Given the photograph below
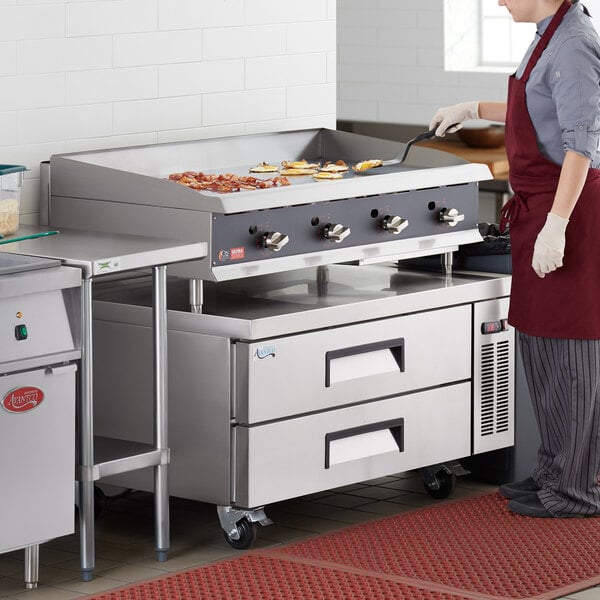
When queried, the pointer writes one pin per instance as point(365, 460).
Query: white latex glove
point(549, 246)
point(453, 115)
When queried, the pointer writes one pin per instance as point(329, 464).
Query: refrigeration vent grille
point(495, 392)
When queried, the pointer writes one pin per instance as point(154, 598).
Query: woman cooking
point(552, 118)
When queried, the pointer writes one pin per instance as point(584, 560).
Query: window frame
point(482, 19)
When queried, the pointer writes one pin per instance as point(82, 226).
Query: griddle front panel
point(237, 238)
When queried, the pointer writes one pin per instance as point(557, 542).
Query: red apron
point(566, 302)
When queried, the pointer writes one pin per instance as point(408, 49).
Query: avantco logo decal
point(265, 351)
point(22, 399)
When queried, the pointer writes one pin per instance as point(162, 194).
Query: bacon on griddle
point(226, 182)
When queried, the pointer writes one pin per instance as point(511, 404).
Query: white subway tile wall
point(86, 74)
point(391, 62)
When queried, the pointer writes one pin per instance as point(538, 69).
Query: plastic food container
point(11, 182)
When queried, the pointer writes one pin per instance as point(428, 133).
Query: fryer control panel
point(307, 228)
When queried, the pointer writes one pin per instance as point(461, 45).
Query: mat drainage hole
point(374, 213)
point(315, 221)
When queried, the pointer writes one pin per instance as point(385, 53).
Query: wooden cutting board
point(494, 158)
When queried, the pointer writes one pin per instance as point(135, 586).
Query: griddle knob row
point(394, 224)
point(274, 240)
point(335, 232)
point(450, 216)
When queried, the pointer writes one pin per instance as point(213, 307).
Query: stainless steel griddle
point(300, 366)
point(433, 196)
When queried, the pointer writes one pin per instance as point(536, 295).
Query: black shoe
point(518, 488)
point(529, 505)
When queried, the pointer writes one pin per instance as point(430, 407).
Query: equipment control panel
point(301, 229)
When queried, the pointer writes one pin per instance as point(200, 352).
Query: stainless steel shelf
point(113, 456)
point(98, 254)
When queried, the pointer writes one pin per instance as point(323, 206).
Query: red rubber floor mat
point(259, 577)
point(471, 549)
point(475, 546)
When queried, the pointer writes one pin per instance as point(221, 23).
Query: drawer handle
point(396, 347)
point(376, 444)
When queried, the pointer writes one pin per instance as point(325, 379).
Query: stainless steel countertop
point(299, 300)
point(101, 253)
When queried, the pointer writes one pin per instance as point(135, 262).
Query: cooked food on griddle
point(299, 164)
point(335, 167)
point(294, 172)
point(328, 175)
point(225, 182)
point(264, 167)
point(367, 164)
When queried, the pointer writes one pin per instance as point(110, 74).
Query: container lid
point(17, 263)
point(6, 169)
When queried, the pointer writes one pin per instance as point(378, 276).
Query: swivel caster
point(247, 533)
point(442, 486)
point(240, 525)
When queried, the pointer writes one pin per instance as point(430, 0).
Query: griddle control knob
point(394, 224)
point(335, 232)
point(274, 240)
point(450, 216)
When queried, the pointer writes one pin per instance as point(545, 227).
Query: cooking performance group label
point(22, 399)
point(238, 253)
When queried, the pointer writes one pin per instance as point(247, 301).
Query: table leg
point(161, 490)
point(86, 437)
point(32, 566)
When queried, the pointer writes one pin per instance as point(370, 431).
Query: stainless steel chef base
point(297, 372)
point(308, 380)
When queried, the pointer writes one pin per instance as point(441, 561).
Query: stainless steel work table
point(99, 254)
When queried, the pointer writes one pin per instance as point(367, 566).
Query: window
point(479, 35)
point(502, 41)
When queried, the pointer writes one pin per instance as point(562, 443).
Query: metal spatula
point(371, 164)
point(402, 157)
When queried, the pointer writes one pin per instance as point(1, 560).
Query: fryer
point(39, 320)
point(305, 351)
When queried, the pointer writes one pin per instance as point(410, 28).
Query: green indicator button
point(21, 332)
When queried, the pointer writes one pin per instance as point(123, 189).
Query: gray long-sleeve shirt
point(563, 91)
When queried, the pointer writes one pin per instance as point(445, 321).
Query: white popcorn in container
point(11, 182)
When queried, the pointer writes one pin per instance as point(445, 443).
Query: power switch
point(494, 326)
point(21, 332)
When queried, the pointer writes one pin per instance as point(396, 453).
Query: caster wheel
point(247, 531)
point(447, 483)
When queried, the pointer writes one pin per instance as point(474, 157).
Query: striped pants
point(564, 383)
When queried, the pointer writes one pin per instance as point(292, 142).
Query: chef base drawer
point(354, 363)
point(299, 456)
